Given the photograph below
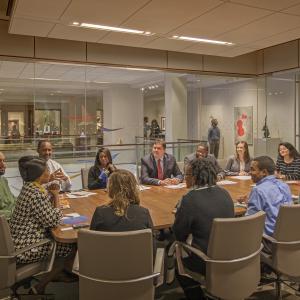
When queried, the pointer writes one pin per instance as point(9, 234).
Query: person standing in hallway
point(214, 138)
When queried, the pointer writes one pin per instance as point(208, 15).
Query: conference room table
point(160, 201)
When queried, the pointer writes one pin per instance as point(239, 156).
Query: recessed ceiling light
point(200, 40)
point(112, 28)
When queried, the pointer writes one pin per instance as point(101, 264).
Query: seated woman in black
point(124, 212)
point(288, 162)
point(103, 167)
point(195, 214)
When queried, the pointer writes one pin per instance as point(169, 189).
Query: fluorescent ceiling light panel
point(111, 28)
point(199, 40)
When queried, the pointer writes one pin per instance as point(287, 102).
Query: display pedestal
point(266, 146)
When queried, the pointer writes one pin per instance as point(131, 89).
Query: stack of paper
point(80, 194)
point(225, 182)
point(175, 187)
point(245, 177)
point(143, 187)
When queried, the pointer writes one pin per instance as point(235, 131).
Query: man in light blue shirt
point(269, 193)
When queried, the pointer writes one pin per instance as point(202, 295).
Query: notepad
point(226, 182)
point(81, 194)
point(175, 186)
point(246, 177)
point(74, 220)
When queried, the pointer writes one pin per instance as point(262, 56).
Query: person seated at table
point(7, 199)
point(103, 167)
point(57, 172)
point(268, 194)
point(202, 152)
point(35, 214)
point(239, 164)
point(123, 212)
point(160, 168)
point(288, 162)
point(195, 214)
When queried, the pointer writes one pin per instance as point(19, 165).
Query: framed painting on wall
point(243, 124)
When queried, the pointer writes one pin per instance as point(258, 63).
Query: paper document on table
point(225, 182)
point(175, 186)
point(244, 177)
point(81, 194)
point(143, 187)
point(242, 205)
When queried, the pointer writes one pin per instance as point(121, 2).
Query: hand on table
point(242, 199)
point(243, 173)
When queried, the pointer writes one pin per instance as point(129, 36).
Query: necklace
point(40, 187)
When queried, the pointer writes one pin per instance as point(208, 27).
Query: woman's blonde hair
point(123, 191)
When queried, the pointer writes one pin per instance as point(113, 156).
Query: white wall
point(219, 102)
point(122, 107)
point(176, 108)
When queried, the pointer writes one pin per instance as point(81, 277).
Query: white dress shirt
point(54, 166)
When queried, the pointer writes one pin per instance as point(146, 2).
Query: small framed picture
point(163, 123)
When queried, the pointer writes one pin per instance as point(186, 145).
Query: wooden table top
point(159, 200)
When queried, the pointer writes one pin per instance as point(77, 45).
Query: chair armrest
point(269, 238)
point(159, 266)
point(274, 241)
point(40, 243)
point(196, 251)
point(203, 256)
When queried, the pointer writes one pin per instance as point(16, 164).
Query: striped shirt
point(290, 170)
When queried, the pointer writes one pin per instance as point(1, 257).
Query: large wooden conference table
point(159, 200)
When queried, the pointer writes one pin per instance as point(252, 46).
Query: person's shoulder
point(190, 156)
point(103, 209)
point(137, 207)
point(231, 157)
point(169, 156)
point(147, 157)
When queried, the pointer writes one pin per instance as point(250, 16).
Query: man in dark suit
point(202, 152)
point(160, 168)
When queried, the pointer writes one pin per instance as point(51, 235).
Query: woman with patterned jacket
point(35, 214)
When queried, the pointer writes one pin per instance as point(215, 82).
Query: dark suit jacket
point(188, 159)
point(149, 169)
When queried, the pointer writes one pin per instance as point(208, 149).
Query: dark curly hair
point(204, 172)
point(293, 152)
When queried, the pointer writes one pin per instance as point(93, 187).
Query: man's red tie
point(160, 174)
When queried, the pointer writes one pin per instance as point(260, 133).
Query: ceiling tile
point(277, 39)
point(201, 48)
point(264, 28)
point(163, 16)
point(50, 10)
point(295, 10)
point(105, 12)
point(125, 39)
point(236, 51)
point(274, 5)
point(220, 20)
point(29, 27)
point(61, 31)
point(168, 44)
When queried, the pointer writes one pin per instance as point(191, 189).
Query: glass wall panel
point(280, 112)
